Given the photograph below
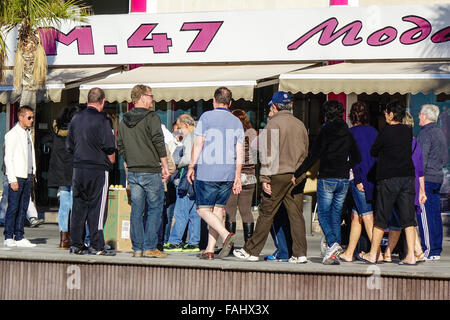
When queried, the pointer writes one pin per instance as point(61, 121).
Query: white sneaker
point(433, 258)
point(9, 243)
point(334, 251)
point(24, 243)
point(242, 254)
point(301, 259)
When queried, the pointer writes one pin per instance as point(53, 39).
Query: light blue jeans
point(331, 193)
point(145, 187)
point(185, 212)
point(65, 207)
point(4, 201)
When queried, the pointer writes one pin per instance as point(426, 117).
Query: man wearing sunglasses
point(20, 167)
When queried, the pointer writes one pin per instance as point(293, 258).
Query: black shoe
point(77, 250)
point(191, 248)
point(104, 252)
point(174, 247)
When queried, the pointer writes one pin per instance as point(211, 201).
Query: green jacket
point(141, 140)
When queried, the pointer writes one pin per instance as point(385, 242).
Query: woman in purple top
point(362, 184)
point(420, 198)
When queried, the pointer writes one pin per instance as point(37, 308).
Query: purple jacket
point(418, 167)
point(364, 172)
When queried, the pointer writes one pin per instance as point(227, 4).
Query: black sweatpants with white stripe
point(90, 196)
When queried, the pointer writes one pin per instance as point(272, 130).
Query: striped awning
point(194, 82)
point(370, 77)
point(57, 80)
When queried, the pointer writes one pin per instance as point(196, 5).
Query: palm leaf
point(28, 16)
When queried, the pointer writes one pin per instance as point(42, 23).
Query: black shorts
point(398, 192)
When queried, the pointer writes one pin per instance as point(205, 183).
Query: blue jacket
point(364, 172)
point(434, 152)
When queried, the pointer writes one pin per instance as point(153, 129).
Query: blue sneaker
point(274, 258)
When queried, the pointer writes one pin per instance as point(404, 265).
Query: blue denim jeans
point(362, 206)
point(209, 194)
point(4, 201)
point(185, 212)
point(169, 211)
point(331, 193)
point(65, 206)
point(17, 209)
point(145, 187)
point(281, 234)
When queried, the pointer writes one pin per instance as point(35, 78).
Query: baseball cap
point(280, 97)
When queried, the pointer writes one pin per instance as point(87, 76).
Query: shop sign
point(375, 32)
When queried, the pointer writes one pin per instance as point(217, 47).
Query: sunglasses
point(30, 117)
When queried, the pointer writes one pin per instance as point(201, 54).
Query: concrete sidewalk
point(47, 239)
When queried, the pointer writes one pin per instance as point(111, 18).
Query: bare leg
point(214, 219)
point(355, 233)
point(377, 236)
point(394, 235)
point(418, 247)
point(368, 224)
point(410, 234)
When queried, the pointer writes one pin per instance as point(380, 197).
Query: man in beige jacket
point(283, 147)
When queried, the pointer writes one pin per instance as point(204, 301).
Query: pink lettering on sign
point(82, 35)
point(110, 49)
point(207, 32)
point(329, 34)
point(378, 38)
point(382, 37)
point(441, 36)
point(418, 33)
point(159, 41)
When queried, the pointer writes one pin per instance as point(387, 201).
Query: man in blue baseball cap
point(282, 98)
point(284, 135)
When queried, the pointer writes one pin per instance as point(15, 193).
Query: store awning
point(371, 77)
point(189, 82)
point(57, 80)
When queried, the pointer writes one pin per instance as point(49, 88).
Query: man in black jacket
point(91, 141)
point(337, 151)
point(141, 144)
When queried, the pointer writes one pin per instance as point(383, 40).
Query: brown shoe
point(226, 247)
point(138, 254)
point(154, 254)
point(64, 241)
point(207, 255)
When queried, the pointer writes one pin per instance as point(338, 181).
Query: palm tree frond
point(3, 49)
point(18, 70)
point(40, 66)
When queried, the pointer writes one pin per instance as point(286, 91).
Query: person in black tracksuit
point(91, 141)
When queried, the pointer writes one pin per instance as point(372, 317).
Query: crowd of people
point(187, 186)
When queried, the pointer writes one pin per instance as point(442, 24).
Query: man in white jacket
point(20, 167)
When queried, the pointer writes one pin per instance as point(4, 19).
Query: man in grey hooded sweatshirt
point(141, 143)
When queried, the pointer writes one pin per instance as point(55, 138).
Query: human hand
point(14, 186)
point(293, 180)
point(422, 197)
point(165, 174)
point(267, 188)
point(237, 185)
point(360, 187)
point(190, 175)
